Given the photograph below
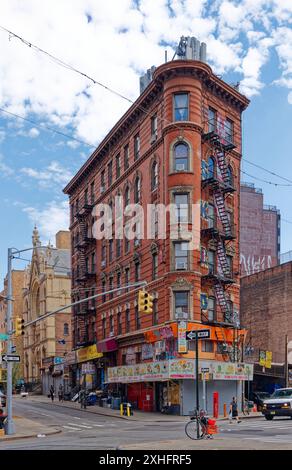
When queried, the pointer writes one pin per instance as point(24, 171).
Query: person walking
point(52, 393)
point(83, 398)
point(233, 413)
point(61, 393)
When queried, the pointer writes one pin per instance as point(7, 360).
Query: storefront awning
point(107, 345)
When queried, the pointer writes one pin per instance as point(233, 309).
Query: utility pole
point(10, 424)
point(286, 363)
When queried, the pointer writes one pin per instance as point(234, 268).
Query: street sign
point(3, 337)
point(10, 358)
point(205, 370)
point(13, 349)
point(200, 334)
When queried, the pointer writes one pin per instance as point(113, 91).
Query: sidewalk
point(138, 415)
point(26, 428)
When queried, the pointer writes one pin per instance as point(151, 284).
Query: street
point(84, 430)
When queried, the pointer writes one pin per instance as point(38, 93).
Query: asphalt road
point(83, 430)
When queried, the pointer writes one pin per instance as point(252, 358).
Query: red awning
point(107, 346)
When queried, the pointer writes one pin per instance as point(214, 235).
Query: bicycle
point(200, 426)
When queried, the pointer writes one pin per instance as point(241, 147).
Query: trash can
point(116, 403)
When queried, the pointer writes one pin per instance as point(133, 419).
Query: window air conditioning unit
point(153, 138)
point(136, 242)
point(103, 264)
point(180, 315)
point(111, 334)
point(180, 166)
point(181, 265)
point(102, 189)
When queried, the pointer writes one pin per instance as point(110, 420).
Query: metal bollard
point(225, 410)
point(121, 409)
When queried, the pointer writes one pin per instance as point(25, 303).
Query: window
point(155, 312)
point(120, 324)
point(93, 263)
point(211, 167)
point(77, 206)
point(118, 247)
point(72, 211)
point(102, 181)
point(154, 266)
point(93, 333)
point(111, 294)
point(86, 196)
point(86, 265)
point(110, 250)
point(127, 196)
point(212, 120)
point(93, 300)
point(118, 166)
point(211, 309)
point(211, 216)
point(228, 317)
point(136, 147)
point(229, 130)
point(103, 256)
point(126, 157)
point(181, 157)
point(137, 190)
point(127, 278)
point(229, 176)
point(110, 173)
point(127, 318)
point(66, 329)
point(127, 243)
point(229, 260)
point(182, 208)
point(104, 328)
point(103, 287)
point(181, 107)
point(181, 255)
point(92, 192)
point(211, 261)
point(119, 282)
point(207, 346)
point(154, 176)
point(181, 303)
point(137, 318)
point(111, 324)
point(137, 271)
point(154, 126)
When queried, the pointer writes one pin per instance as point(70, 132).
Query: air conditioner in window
point(136, 242)
point(180, 166)
point(153, 138)
point(179, 315)
point(103, 264)
point(102, 189)
point(111, 334)
point(181, 265)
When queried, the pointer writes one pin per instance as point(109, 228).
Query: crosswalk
point(281, 424)
point(79, 427)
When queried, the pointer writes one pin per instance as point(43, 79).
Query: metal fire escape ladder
point(222, 259)
point(222, 214)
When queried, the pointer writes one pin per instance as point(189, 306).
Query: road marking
point(98, 425)
point(80, 425)
point(75, 417)
point(70, 427)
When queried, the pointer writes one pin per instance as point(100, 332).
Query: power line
point(268, 171)
point(45, 127)
point(265, 181)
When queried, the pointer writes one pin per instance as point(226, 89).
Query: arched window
point(137, 191)
point(127, 196)
point(66, 329)
point(211, 167)
point(181, 157)
point(154, 176)
point(229, 176)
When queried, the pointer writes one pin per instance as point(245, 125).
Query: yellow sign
point(88, 353)
point(269, 355)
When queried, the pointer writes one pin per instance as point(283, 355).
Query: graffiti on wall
point(252, 264)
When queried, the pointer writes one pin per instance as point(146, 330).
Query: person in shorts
point(233, 413)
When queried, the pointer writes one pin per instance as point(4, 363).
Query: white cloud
point(53, 174)
point(49, 220)
point(2, 136)
point(33, 132)
point(5, 170)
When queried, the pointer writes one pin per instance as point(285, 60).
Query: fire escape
point(84, 313)
point(220, 232)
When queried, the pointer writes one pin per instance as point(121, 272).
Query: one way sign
point(10, 358)
point(199, 334)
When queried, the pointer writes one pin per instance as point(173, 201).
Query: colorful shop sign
point(88, 353)
point(231, 371)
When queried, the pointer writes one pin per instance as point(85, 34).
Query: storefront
point(88, 371)
point(152, 386)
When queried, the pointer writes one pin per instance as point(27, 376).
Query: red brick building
point(266, 312)
point(259, 232)
point(180, 143)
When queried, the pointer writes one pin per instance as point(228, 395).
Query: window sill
point(184, 172)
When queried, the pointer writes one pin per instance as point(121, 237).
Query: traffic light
point(145, 302)
point(19, 326)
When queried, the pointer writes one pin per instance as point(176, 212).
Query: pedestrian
point(233, 413)
point(61, 393)
point(52, 393)
point(83, 398)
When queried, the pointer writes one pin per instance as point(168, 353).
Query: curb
point(14, 438)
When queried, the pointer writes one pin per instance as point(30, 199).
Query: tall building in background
point(179, 143)
point(260, 232)
point(47, 287)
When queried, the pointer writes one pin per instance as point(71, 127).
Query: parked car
point(259, 397)
point(279, 404)
point(2, 399)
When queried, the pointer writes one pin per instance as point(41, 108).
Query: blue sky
point(248, 41)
